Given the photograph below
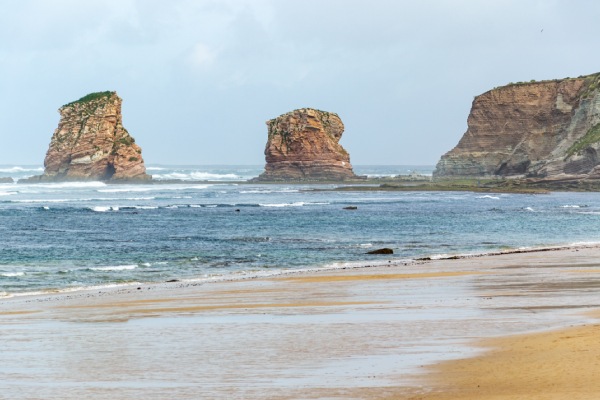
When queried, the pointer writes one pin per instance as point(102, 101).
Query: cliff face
point(91, 143)
point(303, 145)
point(544, 130)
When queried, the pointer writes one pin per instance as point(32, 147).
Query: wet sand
point(496, 327)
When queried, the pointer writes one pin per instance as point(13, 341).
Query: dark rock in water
point(351, 208)
point(7, 180)
point(381, 251)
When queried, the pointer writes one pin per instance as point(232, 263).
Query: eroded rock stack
point(303, 145)
point(91, 143)
point(542, 130)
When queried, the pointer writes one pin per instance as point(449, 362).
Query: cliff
point(303, 145)
point(91, 143)
point(543, 130)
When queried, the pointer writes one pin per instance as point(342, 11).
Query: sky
point(199, 78)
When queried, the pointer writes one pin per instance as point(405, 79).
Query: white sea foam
point(152, 188)
point(439, 256)
point(266, 191)
point(487, 196)
point(295, 204)
point(583, 244)
point(256, 191)
point(42, 201)
point(125, 190)
point(115, 268)
point(124, 198)
point(8, 193)
point(529, 209)
point(70, 185)
point(12, 274)
point(80, 200)
point(196, 176)
point(570, 206)
point(104, 208)
point(17, 169)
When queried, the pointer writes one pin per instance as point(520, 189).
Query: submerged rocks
point(385, 250)
point(542, 130)
point(91, 143)
point(303, 145)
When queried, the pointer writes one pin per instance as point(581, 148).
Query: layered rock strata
point(541, 130)
point(91, 143)
point(304, 145)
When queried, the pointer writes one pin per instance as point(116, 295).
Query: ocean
point(68, 236)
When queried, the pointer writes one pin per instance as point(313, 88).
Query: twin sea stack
point(303, 146)
point(91, 143)
point(547, 130)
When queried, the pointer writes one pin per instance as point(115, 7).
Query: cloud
point(201, 55)
point(398, 72)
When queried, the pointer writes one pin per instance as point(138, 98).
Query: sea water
point(66, 236)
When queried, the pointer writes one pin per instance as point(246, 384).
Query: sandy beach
point(494, 327)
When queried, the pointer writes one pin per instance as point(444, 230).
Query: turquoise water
point(71, 235)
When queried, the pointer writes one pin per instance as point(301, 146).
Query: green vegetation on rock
point(592, 136)
point(90, 97)
point(126, 140)
point(593, 81)
point(592, 85)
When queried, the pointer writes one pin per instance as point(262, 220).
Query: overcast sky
point(199, 78)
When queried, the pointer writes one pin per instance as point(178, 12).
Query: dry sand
point(380, 332)
point(564, 364)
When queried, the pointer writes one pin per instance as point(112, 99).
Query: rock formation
point(91, 143)
point(547, 130)
point(303, 145)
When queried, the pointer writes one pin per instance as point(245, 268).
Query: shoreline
point(240, 276)
point(345, 265)
point(377, 332)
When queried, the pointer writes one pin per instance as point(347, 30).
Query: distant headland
point(546, 131)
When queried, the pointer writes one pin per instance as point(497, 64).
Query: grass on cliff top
point(90, 97)
point(302, 110)
point(589, 78)
point(592, 136)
